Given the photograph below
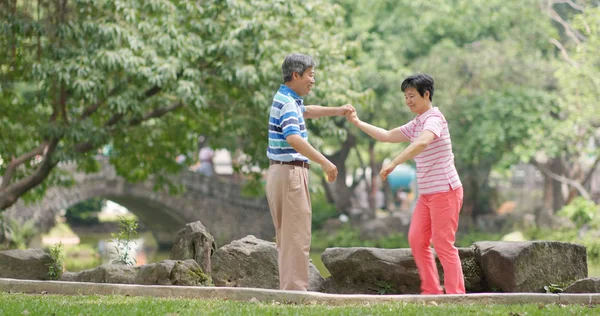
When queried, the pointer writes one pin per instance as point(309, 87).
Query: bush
point(581, 212)
point(321, 210)
point(85, 213)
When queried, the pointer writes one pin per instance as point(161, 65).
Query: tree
point(486, 61)
point(569, 153)
point(146, 77)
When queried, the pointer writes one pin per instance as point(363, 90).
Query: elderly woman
point(441, 195)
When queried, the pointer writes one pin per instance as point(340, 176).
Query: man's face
point(303, 84)
point(415, 102)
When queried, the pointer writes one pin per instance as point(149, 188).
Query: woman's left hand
point(385, 171)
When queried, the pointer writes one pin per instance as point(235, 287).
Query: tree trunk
point(477, 192)
point(338, 192)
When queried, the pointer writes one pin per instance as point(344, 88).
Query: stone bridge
point(215, 201)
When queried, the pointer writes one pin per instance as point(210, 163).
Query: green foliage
point(124, 242)
point(322, 210)
point(581, 211)
point(349, 236)
point(553, 288)
point(17, 235)
point(384, 288)
point(55, 268)
point(85, 213)
point(148, 77)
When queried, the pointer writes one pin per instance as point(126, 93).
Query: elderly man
point(290, 154)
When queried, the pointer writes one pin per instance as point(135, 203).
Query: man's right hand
point(330, 170)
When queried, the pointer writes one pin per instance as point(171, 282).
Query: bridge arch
point(215, 201)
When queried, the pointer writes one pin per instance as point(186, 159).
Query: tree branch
point(588, 177)
point(584, 193)
point(12, 166)
point(364, 173)
point(572, 4)
point(156, 113)
point(11, 194)
point(564, 53)
point(573, 34)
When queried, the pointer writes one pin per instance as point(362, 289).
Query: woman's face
point(416, 103)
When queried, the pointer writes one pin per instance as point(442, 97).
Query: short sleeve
point(289, 120)
point(407, 129)
point(434, 124)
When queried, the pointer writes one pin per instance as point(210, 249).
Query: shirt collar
point(422, 117)
point(285, 90)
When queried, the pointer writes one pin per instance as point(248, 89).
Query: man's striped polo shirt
point(286, 118)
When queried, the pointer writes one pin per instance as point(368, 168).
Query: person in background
point(205, 157)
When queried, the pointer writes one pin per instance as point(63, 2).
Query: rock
point(167, 272)
point(106, 273)
point(252, 262)
point(29, 264)
point(158, 273)
point(588, 285)
point(173, 272)
point(188, 273)
point(529, 266)
point(195, 242)
point(386, 271)
point(370, 271)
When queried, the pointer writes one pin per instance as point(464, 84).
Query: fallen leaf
point(254, 300)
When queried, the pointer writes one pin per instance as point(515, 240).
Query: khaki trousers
point(289, 201)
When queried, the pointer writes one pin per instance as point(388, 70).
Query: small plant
point(384, 288)
point(124, 242)
point(55, 268)
point(553, 288)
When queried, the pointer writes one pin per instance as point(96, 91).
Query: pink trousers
point(435, 219)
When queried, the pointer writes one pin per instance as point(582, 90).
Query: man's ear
point(427, 95)
point(296, 75)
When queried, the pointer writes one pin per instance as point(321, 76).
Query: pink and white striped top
point(435, 165)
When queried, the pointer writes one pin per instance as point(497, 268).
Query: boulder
point(531, 265)
point(29, 264)
point(166, 272)
point(386, 271)
point(195, 242)
point(587, 285)
point(172, 272)
point(252, 262)
point(106, 273)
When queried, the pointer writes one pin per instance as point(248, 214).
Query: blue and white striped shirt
point(286, 119)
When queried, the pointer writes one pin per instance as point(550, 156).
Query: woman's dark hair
point(421, 83)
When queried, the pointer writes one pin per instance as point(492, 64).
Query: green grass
point(21, 304)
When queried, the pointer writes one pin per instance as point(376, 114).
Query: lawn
point(22, 304)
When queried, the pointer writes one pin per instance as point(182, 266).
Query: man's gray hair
point(296, 63)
